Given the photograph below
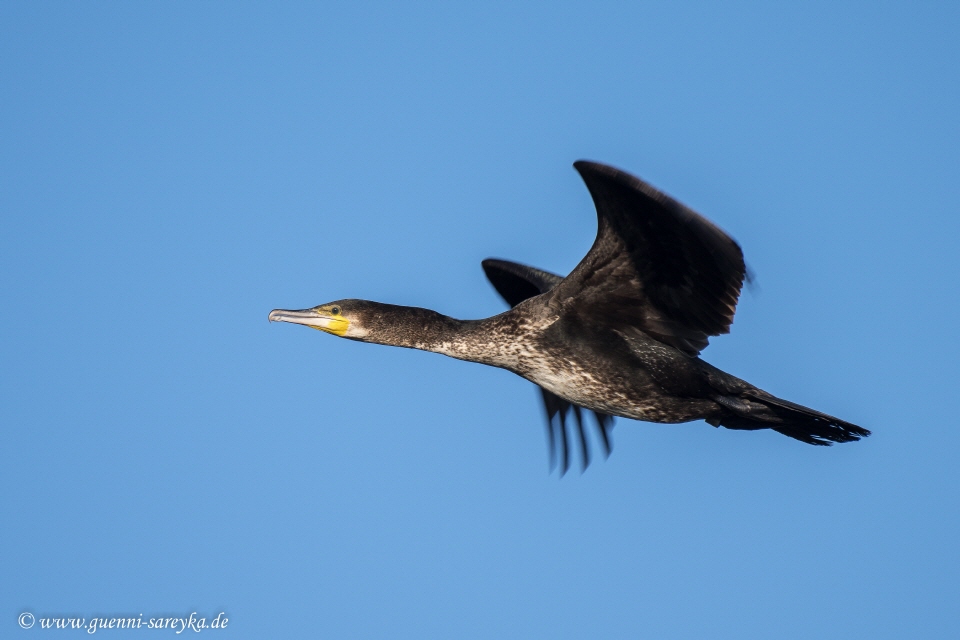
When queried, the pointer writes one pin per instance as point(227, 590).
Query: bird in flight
point(619, 336)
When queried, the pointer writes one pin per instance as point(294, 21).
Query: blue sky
point(171, 172)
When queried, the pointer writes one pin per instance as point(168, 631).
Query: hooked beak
point(312, 318)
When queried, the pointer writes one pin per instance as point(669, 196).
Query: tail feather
point(756, 409)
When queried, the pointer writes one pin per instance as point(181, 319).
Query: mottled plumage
point(619, 336)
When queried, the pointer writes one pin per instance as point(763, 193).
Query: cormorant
point(619, 336)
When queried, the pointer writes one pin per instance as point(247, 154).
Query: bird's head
point(375, 322)
point(344, 318)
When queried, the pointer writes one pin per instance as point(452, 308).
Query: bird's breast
point(612, 387)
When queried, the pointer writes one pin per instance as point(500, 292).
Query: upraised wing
point(655, 264)
point(515, 283)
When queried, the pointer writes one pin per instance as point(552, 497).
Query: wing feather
point(655, 264)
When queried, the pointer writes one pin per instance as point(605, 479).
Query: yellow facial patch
point(331, 322)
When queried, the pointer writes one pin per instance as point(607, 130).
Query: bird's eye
point(335, 311)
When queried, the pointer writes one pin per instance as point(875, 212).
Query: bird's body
point(619, 336)
point(628, 376)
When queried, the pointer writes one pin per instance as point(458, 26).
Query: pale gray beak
point(309, 317)
point(313, 318)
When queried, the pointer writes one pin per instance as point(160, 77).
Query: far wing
point(515, 283)
point(655, 264)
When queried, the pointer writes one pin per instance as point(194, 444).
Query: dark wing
point(515, 283)
point(656, 264)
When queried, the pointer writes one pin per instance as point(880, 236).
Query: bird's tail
point(756, 409)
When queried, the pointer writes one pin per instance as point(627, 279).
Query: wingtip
point(494, 268)
point(595, 174)
point(592, 167)
point(492, 263)
point(584, 167)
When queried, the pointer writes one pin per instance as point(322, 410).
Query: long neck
point(415, 328)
